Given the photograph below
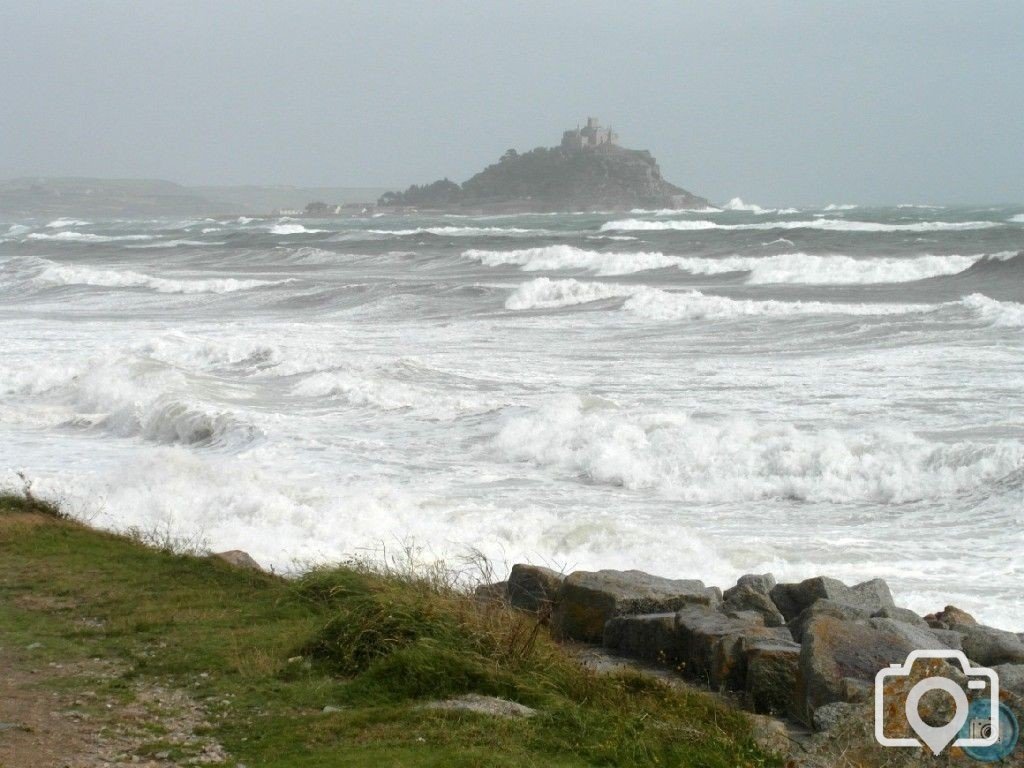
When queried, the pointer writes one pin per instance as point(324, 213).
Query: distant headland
point(588, 171)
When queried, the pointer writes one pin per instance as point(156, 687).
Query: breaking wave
point(293, 229)
point(737, 204)
point(545, 293)
point(999, 314)
point(1018, 219)
point(656, 304)
point(108, 278)
point(203, 353)
point(834, 225)
point(60, 223)
point(674, 211)
point(796, 268)
point(457, 231)
point(130, 397)
point(84, 237)
point(555, 257)
point(744, 460)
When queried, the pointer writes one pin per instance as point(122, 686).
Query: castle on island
point(593, 135)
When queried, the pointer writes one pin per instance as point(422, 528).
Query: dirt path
point(47, 723)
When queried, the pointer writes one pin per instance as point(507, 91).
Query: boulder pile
point(806, 651)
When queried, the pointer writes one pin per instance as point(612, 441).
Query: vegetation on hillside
point(264, 656)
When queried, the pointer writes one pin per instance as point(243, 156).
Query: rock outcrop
point(602, 178)
point(587, 600)
point(238, 558)
point(533, 587)
point(807, 651)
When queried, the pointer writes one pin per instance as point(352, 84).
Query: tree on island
point(441, 192)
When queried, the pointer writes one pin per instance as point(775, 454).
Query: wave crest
point(795, 268)
point(833, 225)
point(108, 278)
point(656, 304)
point(743, 460)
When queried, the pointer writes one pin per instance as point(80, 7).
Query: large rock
point(831, 715)
point(773, 665)
point(989, 646)
point(949, 617)
point(484, 705)
point(839, 657)
point(712, 644)
point(239, 559)
point(824, 608)
point(950, 637)
point(533, 587)
point(921, 638)
point(905, 615)
point(793, 599)
point(587, 600)
point(744, 598)
point(649, 636)
point(758, 582)
point(1011, 678)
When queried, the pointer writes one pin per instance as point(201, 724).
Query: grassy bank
point(263, 656)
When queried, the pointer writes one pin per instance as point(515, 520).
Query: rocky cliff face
point(555, 179)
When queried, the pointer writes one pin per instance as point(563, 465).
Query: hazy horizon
point(793, 103)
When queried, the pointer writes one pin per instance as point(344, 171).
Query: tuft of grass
point(266, 655)
point(28, 502)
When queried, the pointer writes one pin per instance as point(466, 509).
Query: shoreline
point(797, 658)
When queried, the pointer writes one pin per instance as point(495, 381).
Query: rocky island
point(588, 171)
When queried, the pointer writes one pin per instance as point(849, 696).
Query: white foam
point(656, 304)
point(839, 207)
point(457, 231)
point(745, 460)
point(808, 269)
point(835, 225)
point(84, 237)
point(293, 229)
point(555, 257)
point(999, 314)
point(544, 293)
point(129, 397)
point(204, 353)
point(674, 211)
point(378, 387)
point(1018, 219)
point(109, 278)
point(737, 204)
point(60, 223)
point(795, 268)
point(16, 229)
point(173, 244)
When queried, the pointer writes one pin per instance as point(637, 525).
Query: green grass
point(374, 644)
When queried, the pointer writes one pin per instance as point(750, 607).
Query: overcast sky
point(779, 103)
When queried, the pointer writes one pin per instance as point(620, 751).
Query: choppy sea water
point(817, 391)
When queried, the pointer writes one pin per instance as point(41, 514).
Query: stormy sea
point(834, 390)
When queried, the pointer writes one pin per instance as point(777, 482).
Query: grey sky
point(776, 102)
